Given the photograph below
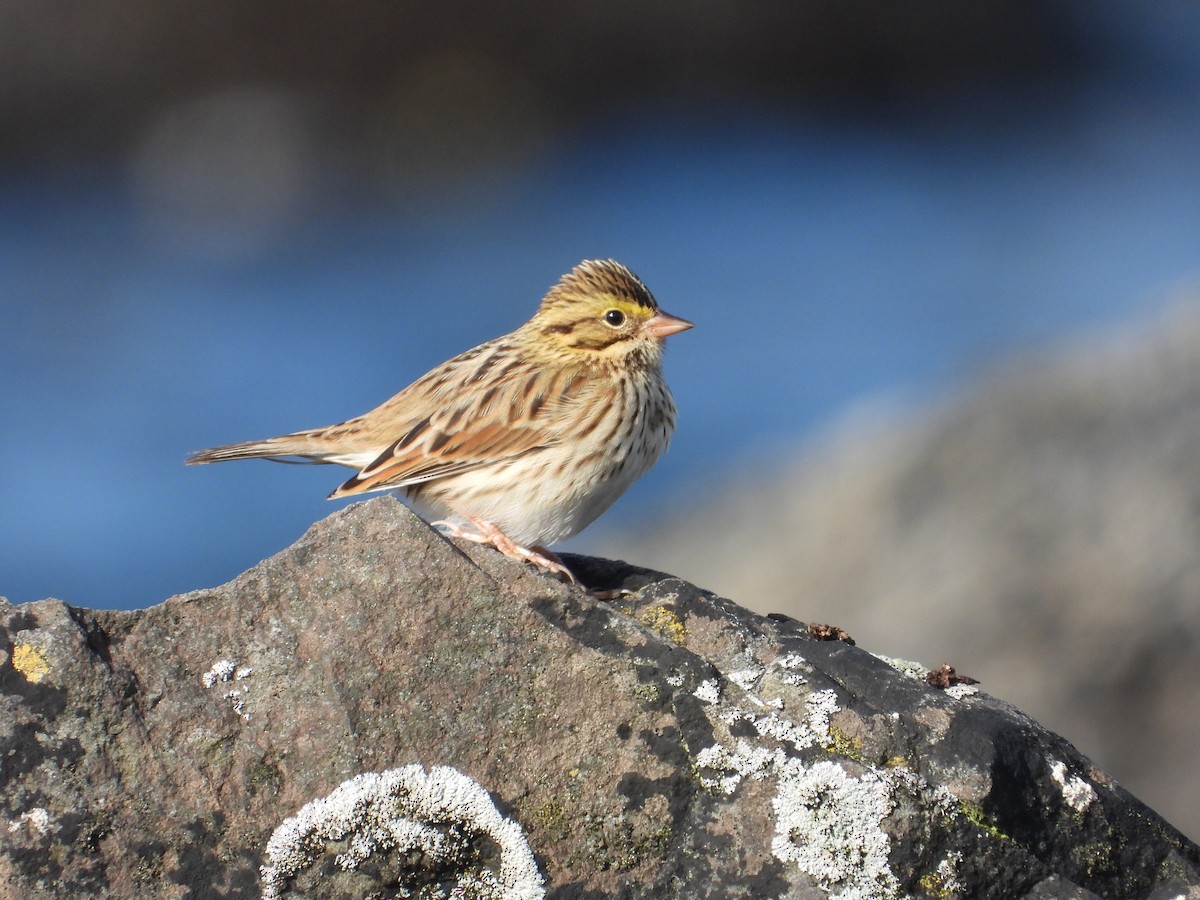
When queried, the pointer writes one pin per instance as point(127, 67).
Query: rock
point(377, 709)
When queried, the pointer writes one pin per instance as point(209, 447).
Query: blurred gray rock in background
point(1039, 531)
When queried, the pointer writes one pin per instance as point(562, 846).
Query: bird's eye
point(615, 318)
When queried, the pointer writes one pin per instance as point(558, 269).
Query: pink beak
point(663, 325)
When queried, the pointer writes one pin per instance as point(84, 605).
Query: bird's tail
point(301, 447)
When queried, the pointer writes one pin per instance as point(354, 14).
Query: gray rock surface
point(378, 710)
point(1040, 530)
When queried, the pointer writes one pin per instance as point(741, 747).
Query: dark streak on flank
point(596, 419)
point(593, 457)
point(569, 390)
point(622, 403)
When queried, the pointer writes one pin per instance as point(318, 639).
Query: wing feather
point(475, 425)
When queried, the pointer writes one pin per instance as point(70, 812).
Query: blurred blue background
point(230, 232)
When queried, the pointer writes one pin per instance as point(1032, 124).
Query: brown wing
point(443, 455)
point(483, 414)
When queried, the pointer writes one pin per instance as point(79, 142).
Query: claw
point(489, 535)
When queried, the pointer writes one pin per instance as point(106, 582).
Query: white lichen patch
point(722, 768)
point(709, 691)
point(794, 734)
point(746, 679)
point(947, 871)
point(237, 699)
point(37, 820)
point(821, 707)
point(1076, 791)
point(791, 664)
point(827, 824)
point(960, 691)
point(914, 670)
point(225, 670)
point(744, 760)
point(441, 816)
point(222, 670)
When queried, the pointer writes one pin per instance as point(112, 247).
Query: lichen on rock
point(441, 817)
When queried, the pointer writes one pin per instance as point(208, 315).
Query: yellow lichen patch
point(931, 884)
point(666, 623)
point(843, 744)
point(27, 660)
point(975, 813)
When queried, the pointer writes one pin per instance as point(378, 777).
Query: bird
point(525, 440)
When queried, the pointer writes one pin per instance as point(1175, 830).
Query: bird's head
point(601, 311)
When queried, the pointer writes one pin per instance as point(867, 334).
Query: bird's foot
point(489, 535)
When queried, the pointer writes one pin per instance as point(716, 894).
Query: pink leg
point(492, 536)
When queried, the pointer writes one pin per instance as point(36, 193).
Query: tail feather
point(293, 448)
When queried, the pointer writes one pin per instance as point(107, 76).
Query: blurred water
point(823, 261)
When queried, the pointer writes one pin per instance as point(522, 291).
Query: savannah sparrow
point(526, 439)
